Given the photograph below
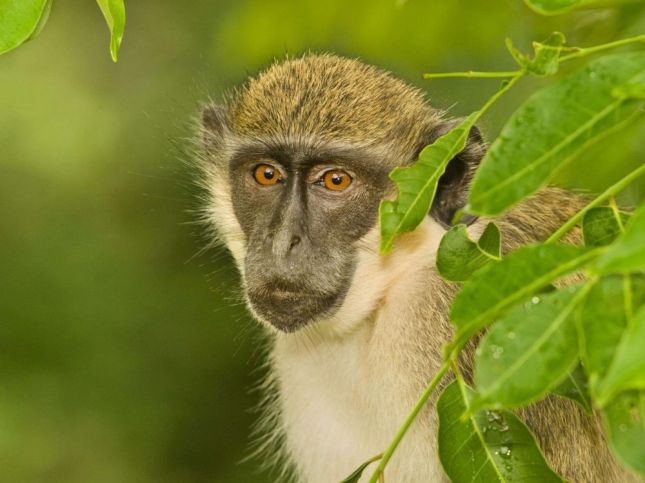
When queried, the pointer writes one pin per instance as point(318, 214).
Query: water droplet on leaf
point(496, 351)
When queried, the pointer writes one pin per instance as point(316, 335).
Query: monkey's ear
point(214, 127)
point(452, 191)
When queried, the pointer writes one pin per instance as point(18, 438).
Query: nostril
point(294, 241)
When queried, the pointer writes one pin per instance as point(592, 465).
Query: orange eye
point(336, 180)
point(267, 175)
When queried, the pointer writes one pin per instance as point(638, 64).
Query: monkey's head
point(296, 165)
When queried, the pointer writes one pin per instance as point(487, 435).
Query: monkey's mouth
point(289, 308)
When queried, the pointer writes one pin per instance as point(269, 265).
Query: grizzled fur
point(332, 99)
point(339, 387)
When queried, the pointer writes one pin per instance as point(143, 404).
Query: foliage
point(554, 7)
point(624, 416)
point(570, 115)
point(459, 257)
point(418, 183)
point(608, 315)
point(114, 13)
point(578, 342)
point(528, 351)
point(627, 369)
point(546, 57)
point(498, 287)
point(487, 443)
point(22, 20)
point(576, 387)
point(628, 253)
point(600, 226)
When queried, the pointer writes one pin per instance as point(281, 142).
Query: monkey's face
point(302, 210)
point(296, 166)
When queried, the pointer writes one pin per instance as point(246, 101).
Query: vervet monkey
point(295, 166)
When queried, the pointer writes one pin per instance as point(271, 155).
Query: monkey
point(294, 165)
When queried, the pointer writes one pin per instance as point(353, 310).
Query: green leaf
point(459, 257)
point(490, 241)
point(528, 352)
point(546, 57)
point(625, 421)
point(489, 446)
point(628, 253)
point(635, 90)
point(600, 227)
point(417, 184)
point(519, 57)
point(114, 13)
point(519, 275)
point(570, 115)
point(358, 472)
point(576, 387)
point(627, 370)
point(21, 20)
point(554, 7)
point(604, 320)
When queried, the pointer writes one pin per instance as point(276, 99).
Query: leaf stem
point(616, 212)
point(408, 421)
point(582, 52)
point(491, 100)
point(472, 74)
point(627, 299)
point(361, 468)
point(454, 363)
point(612, 190)
point(577, 52)
point(455, 368)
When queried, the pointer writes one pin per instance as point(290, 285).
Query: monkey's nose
point(283, 244)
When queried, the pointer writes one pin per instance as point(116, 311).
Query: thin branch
point(582, 52)
point(612, 190)
point(616, 212)
point(472, 74)
point(576, 53)
point(497, 95)
point(408, 422)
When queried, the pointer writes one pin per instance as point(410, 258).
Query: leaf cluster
point(583, 341)
point(23, 20)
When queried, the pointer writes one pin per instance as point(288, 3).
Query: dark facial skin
point(301, 233)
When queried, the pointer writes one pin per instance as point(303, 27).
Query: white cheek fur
point(378, 274)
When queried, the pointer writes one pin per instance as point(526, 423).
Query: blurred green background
point(125, 355)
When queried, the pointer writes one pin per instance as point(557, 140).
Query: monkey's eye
point(267, 175)
point(335, 180)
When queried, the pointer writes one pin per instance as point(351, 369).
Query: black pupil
point(269, 173)
point(337, 179)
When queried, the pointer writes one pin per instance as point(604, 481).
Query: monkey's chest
point(339, 407)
